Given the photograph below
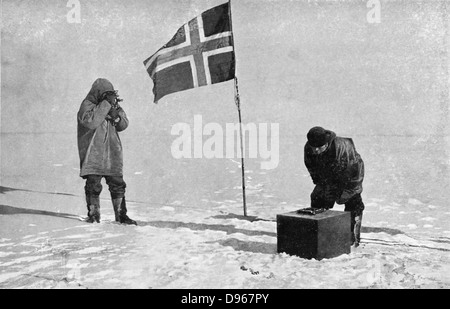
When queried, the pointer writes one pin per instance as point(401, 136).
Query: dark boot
point(120, 211)
point(356, 207)
point(93, 205)
point(357, 229)
point(116, 205)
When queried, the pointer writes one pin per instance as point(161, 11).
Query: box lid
point(321, 216)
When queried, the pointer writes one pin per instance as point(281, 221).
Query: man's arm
point(313, 172)
point(351, 172)
point(123, 123)
point(92, 115)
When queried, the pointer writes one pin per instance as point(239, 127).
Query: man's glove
point(114, 114)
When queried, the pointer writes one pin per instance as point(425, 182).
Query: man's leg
point(92, 190)
point(117, 189)
point(356, 207)
point(320, 198)
point(357, 228)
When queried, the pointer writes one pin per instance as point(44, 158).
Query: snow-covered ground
point(180, 244)
point(190, 248)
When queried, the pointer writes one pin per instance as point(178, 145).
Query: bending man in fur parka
point(337, 170)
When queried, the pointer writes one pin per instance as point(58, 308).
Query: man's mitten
point(113, 113)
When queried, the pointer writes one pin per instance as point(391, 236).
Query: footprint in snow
point(253, 272)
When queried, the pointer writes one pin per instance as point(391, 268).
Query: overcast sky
point(299, 63)
point(319, 59)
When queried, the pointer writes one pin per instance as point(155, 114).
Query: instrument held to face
point(113, 98)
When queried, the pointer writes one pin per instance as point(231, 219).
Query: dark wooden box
point(322, 236)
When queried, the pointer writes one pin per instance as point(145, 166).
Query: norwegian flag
point(201, 53)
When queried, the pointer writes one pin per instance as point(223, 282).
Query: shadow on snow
point(3, 190)
point(229, 229)
point(9, 210)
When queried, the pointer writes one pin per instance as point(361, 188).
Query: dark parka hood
point(99, 87)
point(331, 136)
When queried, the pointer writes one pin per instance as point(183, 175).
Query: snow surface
point(217, 247)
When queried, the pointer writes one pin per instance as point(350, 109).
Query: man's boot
point(120, 211)
point(93, 205)
point(356, 207)
point(357, 229)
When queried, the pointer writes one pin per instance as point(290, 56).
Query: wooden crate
point(322, 236)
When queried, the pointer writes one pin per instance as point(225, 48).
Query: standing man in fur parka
point(337, 170)
point(100, 119)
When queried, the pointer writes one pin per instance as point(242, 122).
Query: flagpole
point(238, 104)
point(237, 100)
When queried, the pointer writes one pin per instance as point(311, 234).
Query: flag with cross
point(201, 53)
